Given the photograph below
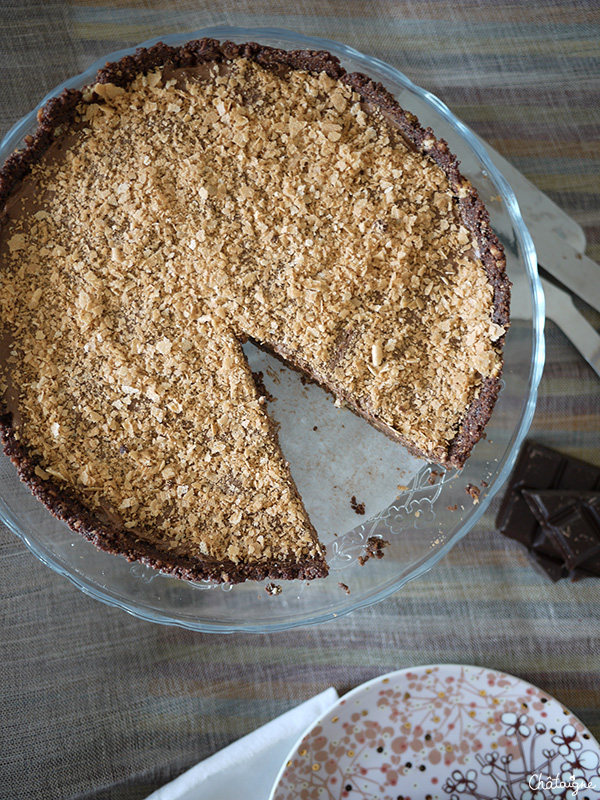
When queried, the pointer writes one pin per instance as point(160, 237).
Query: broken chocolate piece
point(473, 491)
point(358, 508)
point(373, 549)
point(542, 469)
point(571, 520)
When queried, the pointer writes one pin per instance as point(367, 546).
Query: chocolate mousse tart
point(197, 197)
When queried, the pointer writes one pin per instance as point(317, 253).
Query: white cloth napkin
point(251, 762)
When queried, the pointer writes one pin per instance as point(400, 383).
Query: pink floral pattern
point(446, 732)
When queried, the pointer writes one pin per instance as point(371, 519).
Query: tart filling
point(197, 197)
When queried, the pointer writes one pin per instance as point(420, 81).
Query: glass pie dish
point(355, 483)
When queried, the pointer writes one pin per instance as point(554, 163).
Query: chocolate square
point(539, 468)
point(572, 521)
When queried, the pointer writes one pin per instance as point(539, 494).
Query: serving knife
point(561, 310)
point(538, 210)
point(574, 270)
point(559, 241)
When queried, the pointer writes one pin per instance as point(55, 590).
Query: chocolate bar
point(572, 521)
point(538, 469)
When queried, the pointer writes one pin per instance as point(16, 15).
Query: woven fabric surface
point(98, 704)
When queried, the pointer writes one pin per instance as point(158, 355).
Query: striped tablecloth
point(97, 704)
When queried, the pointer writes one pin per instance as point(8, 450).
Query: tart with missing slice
point(197, 197)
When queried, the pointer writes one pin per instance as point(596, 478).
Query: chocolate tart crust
point(55, 117)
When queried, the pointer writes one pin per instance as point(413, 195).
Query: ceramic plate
point(444, 732)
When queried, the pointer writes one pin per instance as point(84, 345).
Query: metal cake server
point(559, 241)
point(561, 310)
point(574, 270)
point(539, 211)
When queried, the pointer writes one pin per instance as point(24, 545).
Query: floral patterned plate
point(444, 732)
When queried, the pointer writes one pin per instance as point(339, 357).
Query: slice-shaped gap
point(333, 454)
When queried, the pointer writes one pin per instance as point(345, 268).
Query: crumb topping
point(196, 208)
